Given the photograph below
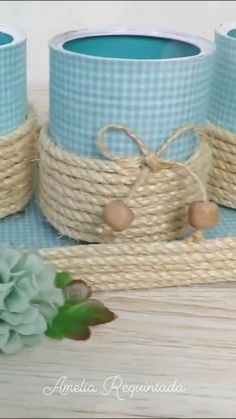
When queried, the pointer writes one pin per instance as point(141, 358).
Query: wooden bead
point(118, 215)
point(203, 215)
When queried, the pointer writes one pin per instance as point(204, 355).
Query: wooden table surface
point(185, 335)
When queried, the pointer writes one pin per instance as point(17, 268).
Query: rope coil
point(148, 265)
point(17, 155)
point(222, 176)
point(74, 190)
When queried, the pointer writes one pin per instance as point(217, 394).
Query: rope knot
point(153, 162)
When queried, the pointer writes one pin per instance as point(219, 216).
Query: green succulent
point(29, 299)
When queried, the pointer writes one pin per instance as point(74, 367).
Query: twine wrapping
point(148, 265)
point(222, 175)
point(17, 155)
point(74, 190)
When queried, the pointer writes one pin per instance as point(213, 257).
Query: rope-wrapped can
point(222, 116)
point(74, 190)
point(222, 175)
point(17, 156)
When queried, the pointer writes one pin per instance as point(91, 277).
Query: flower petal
point(17, 301)
point(5, 274)
point(27, 285)
point(15, 319)
point(10, 256)
point(33, 263)
point(38, 327)
point(3, 327)
point(53, 297)
point(46, 278)
point(13, 344)
point(4, 338)
point(5, 289)
point(47, 310)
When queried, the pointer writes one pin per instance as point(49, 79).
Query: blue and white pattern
point(13, 97)
point(153, 97)
point(222, 111)
point(30, 229)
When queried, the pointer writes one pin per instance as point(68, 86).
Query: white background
point(43, 19)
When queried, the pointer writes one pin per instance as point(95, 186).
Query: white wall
point(42, 19)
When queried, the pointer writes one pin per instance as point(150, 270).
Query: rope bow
point(151, 161)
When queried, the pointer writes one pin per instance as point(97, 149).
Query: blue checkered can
point(150, 81)
point(222, 110)
point(13, 96)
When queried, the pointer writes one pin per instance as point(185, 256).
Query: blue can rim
point(205, 47)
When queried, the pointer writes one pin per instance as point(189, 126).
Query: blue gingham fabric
point(13, 100)
point(153, 97)
point(30, 229)
point(222, 110)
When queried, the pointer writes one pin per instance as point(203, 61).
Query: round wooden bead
point(118, 215)
point(203, 215)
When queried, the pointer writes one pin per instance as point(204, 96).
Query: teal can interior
point(232, 33)
point(5, 38)
point(131, 47)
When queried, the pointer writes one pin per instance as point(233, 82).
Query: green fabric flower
point(29, 299)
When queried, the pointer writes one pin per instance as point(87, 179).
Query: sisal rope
point(74, 190)
point(81, 187)
point(148, 265)
point(17, 155)
point(222, 176)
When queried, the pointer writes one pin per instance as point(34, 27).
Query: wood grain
point(185, 333)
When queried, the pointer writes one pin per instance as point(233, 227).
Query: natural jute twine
point(222, 176)
point(17, 155)
point(148, 265)
point(74, 190)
